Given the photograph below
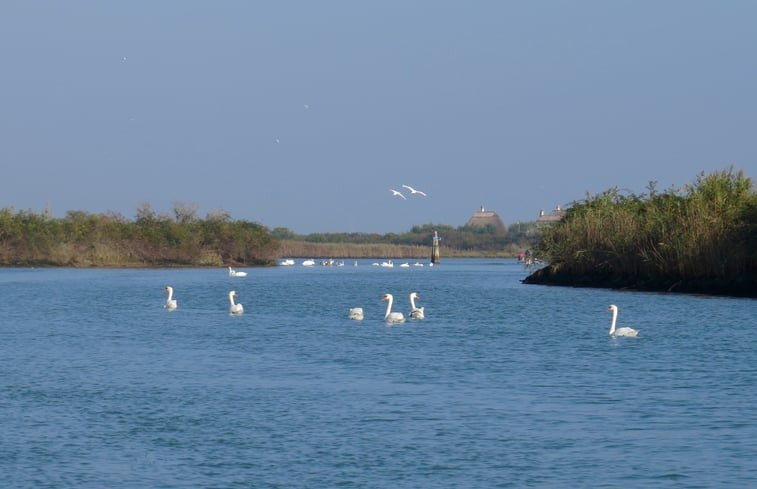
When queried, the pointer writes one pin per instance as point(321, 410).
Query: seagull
point(413, 191)
point(394, 192)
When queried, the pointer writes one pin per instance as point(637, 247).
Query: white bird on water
point(413, 191)
point(234, 273)
point(170, 302)
point(415, 312)
point(396, 193)
point(389, 316)
point(233, 307)
point(356, 313)
point(620, 331)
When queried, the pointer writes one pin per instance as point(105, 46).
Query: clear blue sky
point(303, 114)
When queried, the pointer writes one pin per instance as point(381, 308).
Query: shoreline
point(742, 287)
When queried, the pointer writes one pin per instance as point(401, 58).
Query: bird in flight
point(413, 191)
point(394, 192)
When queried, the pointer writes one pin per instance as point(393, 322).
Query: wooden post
point(435, 248)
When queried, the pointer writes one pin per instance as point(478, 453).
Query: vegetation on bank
point(701, 238)
point(82, 239)
point(181, 238)
point(463, 241)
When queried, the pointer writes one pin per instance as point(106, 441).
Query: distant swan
point(356, 313)
point(392, 317)
point(308, 263)
point(234, 273)
point(415, 312)
point(619, 331)
point(234, 308)
point(170, 302)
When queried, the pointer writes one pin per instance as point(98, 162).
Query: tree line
point(181, 238)
point(151, 239)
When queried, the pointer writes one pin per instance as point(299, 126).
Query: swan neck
point(388, 306)
point(231, 298)
point(412, 302)
point(614, 319)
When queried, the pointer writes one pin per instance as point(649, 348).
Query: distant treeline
point(86, 240)
point(416, 243)
point(701, 238)
point(181, 238)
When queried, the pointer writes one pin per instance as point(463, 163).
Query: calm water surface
point(502, 385)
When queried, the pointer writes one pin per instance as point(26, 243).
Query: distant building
point(485, 218)
point(557, 214)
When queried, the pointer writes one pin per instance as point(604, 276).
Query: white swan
point(392, 317)
point(620, 331)
point(356, 313)
point(413, 191)
point(234, 308)
point(308, 263)
point(170, 302)
point(397, 194)
point(415, 312)
point(387, 264)
point(234, 273)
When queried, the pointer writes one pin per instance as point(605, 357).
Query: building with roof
point(557, 214)
point(485, 218)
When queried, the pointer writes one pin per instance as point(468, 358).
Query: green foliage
point(476, 239)
point(704, 231)
point(83, 239)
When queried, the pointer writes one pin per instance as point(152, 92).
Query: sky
point(303, 114)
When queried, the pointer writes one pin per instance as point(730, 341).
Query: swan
point(395, 193)
point(170, 302)
point(392, 317)
point(234, 308)
point(308, 263)
point(405, 265)
point(413, 191)
point(415, 312)
point(620, 331)
point(387, 264)
point(234, 273)
point(356, 313)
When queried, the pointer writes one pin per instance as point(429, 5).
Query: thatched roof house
point(557, 214)
point(485, 218)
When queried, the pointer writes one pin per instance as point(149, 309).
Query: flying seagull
point(394, 192)
point(413, 191)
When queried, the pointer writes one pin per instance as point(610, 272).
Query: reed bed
point(705, 232)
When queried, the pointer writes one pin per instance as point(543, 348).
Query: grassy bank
point(181, 239)
point(110, 240)
point(702, 238)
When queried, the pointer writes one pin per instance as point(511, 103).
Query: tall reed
point(707, 230)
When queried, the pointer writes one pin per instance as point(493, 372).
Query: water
point(502, 385)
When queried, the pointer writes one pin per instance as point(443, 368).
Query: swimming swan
point(392, 317)
point(170, 302)
point(620, 331)
point(356, 313)
point(234, 308)
point(234, 273)
point(415, 312)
